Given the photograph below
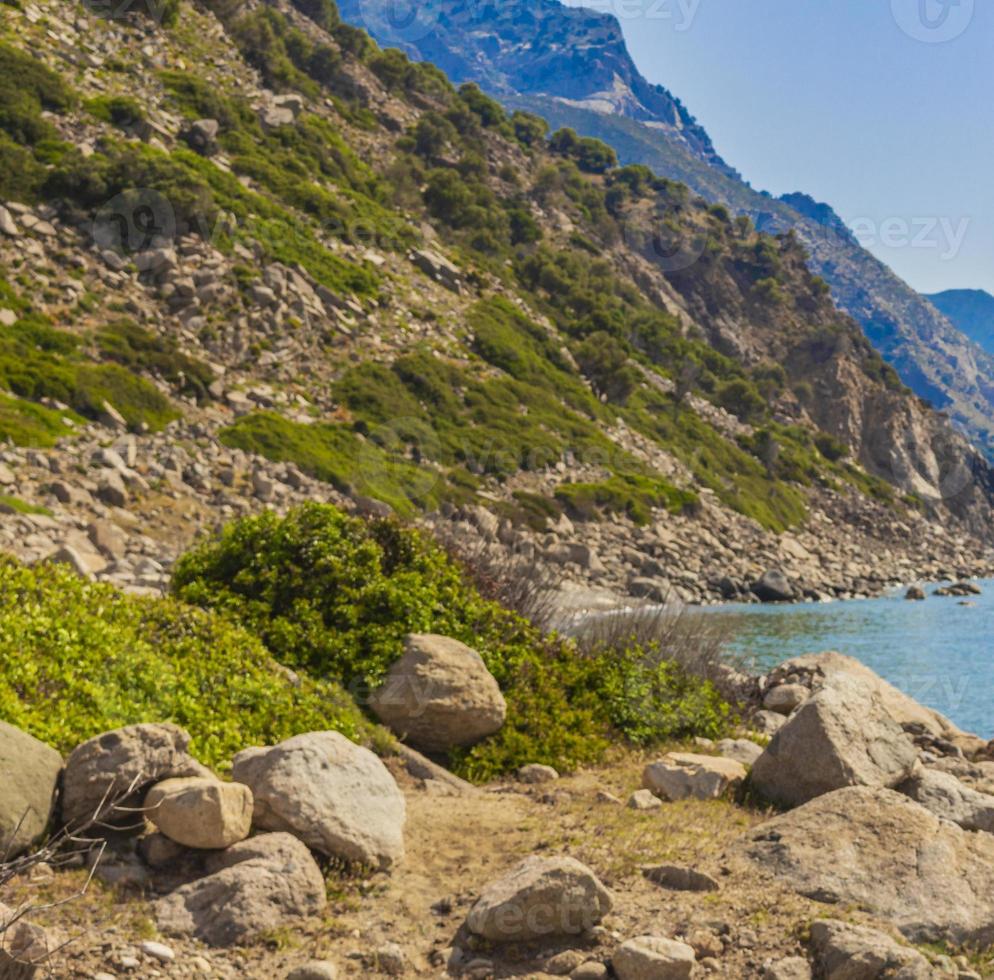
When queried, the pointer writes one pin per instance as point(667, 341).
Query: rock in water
point(653, 958)
point(850, 952)
point(884, 852)
point(336, 796)
point(29, 775)
point(110, 763)
point(840, 737)
point(198, 812)
point(541, 897)
point(246, 897)
point(684, 775)
point(439, 695)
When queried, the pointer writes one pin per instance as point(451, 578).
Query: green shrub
point(77, 659)
point(119, 110)
point(335, 596)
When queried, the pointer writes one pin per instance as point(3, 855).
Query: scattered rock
point(334, 795)
point(390, 959)
point(644, 799)
point(247, 897)
point(784, 698)
point(109, 764)
point(158, 951)
point(915, 593)
point(653, 958)
point(29, 776)
point(792, 968)
point(24, 947)
point(849, 952)
point(535, 772)
point(680, 879)
point(199, 812)
point(944, 795)
point(840, 737)
point(879, 850)
point(683, 775)
point(314, 970)
point(541, 897)
point(8, 226)
point(740, 749)
point(439, 695)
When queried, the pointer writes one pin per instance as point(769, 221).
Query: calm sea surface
point(939, 652)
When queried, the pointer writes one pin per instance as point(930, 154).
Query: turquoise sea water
point(939, 652)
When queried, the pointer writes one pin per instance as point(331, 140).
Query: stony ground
point(456, 843)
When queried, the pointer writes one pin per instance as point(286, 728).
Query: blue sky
point(857, 102)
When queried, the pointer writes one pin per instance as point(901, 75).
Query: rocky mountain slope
point(255, 260)
point(572, 67)
point(971, 311)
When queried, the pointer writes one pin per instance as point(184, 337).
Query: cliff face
point(573, 67)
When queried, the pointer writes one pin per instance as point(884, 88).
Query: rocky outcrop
point(257, 889)
point(199, 812)
point(336, 796)
point(29, 776)
point(439, 695)
point(842, 736)
point(880, 850)
point(133, 758)
point(540, 898)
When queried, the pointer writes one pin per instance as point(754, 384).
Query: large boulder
point(336, 796)
point(819, 670)
point(653, 958)
point(198, 812)
point(843, 736)
point(877, 849)
point(29, 776)
point(685, 775)
point(439, 695)
point(944, 795)
point(255, 890)
point(773, 586)
point(134, 757)
point(541, 897)
point(849, 952)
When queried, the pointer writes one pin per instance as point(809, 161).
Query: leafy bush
point(335, 596)
point(119, 110)
point(77, 659)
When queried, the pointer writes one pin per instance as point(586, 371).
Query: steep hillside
point(572, 67)
point(294, 266)
point(971, 311)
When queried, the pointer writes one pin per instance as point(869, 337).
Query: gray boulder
point(849, 952)
point(336, 796)
point(245, 897)
point(773, 586)
point(107, 765)
point(29, 776)
point(541, 897)
point(439, 695)
point(842, 736)
point(653, 958)
point(944, 795)
point(199, 812)
point(879, 850)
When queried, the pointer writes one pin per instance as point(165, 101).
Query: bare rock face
point(849, 952)
point(337, 797)
point(198, 812)
point(110, 763)
point(29, 775)
point(653, 958)
point(439, 695)
point(541, 897)
point(246, 897)
point(843, 736)
point(880, 850)
point(685, 775)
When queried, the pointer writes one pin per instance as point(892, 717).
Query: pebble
point(158, 951)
